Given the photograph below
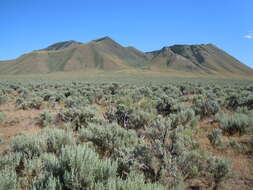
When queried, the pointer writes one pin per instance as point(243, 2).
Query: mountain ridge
point(106, 54)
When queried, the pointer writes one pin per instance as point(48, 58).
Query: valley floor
point(192, 114)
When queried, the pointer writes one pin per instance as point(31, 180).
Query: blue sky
point(26, 25)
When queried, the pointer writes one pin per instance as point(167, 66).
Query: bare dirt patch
point(17, 122)
point(241, 163)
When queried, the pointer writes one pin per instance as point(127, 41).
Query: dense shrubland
point(114, 136)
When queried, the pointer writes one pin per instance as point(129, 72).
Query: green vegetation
point(236, 123)
point(122, 136)
point(2, 117)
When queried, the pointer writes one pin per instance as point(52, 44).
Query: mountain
point(106, 54)
point(62, 45)
point(205, 58)
point(103, 53)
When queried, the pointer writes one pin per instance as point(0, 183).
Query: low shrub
point(29, 146)
point(128, 118)
point(56, 139)
point(31, 103)
point(3, 99)
point(79, 117)
point(165, 106)
point(219, 170)
point(133, 181)
point(82, 167)
point(109, 138)
point(8, 179)
point(2, 117)
point(215, 137)
point(206, 108)
point(45, 118)
point(182, 117)
point(159, 129)
point(236, 123)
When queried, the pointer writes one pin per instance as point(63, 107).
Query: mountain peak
point(106, 38)
point(62, 45)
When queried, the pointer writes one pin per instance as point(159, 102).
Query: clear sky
point(26, 25)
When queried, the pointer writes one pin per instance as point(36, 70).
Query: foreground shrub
point(56, 139)
point(219, 170)
point(8, 179)
point(133, 181)
point(28, 146)
point(48, 140)
point(78, 167)
point(110, 137)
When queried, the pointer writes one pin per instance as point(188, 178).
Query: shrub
point(128, 118)
point(159, 129)
point(190, 163)
point(164, 106)
point(133, 181)
point(3, 99)
point(10, 160)
point(110, 137)
point(80, 167)
point(2, 117)
point(78, 117)
point(28, 146)
point(50, 182)
point(75, 101)
point(215, 137)
point(235, 123)
point(46, 118)
point(206, 107)
point(182, 117)
point(32, 103)
point(219, 170)
point(56, 139)
point(8, 179)
point(236, 101)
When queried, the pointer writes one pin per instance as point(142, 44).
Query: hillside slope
point(205, 58)
point(106, 54)
point(103, 53)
